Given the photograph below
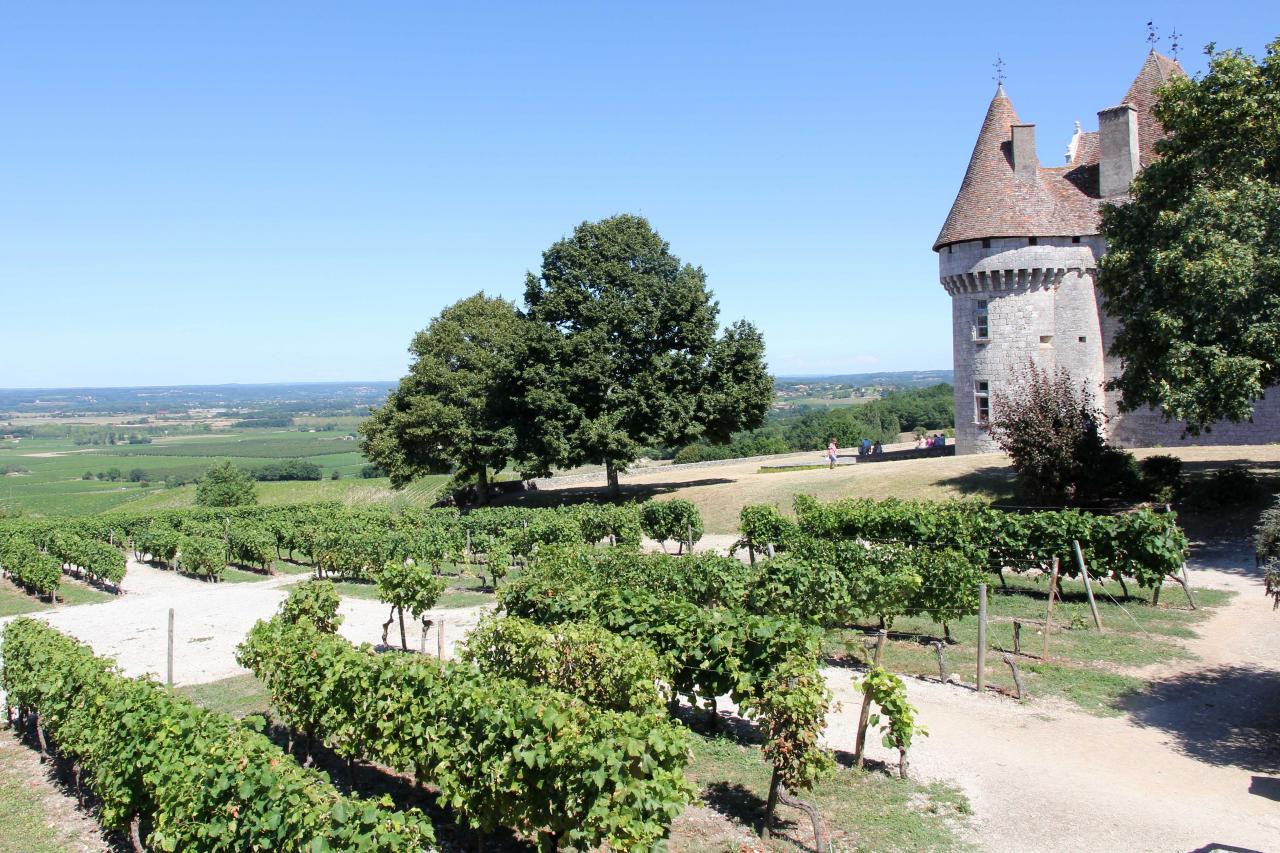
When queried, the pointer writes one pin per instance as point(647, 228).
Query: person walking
point(831, 453)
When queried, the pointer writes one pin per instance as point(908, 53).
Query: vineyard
point(565, 717)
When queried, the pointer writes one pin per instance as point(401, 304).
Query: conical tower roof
point(1156, 71)
point(993, 201)
point(1060, 201)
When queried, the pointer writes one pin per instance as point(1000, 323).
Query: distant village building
point(1019, 254)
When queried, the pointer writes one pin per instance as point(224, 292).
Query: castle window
point(1033, 241)
point(1075, 239)
point(981, 401)
point(986, 244)
point(1082, 339)
point(981, 329)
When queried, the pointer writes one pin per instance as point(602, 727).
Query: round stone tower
point(1018, 259)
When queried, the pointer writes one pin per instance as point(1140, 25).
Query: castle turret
point(1018, 258)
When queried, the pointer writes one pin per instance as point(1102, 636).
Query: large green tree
point(622, 353)
point(225, 485)
point(450, 412)
point(1193, 263)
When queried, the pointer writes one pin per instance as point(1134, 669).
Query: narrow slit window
point(981, 328)
point(981, 401)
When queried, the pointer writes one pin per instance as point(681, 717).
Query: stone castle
point(1019, 254)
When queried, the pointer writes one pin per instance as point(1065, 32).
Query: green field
point(52, 480)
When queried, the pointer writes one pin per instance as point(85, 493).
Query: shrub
point(202, 555)
point(1266, 536)
point(225, 485)
point(600, 668)
point(1051, 430)
point(675, 520)
point(407, 586)
point(1162, 478)
point(313, 601)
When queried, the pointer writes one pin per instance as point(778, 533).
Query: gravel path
point(1194, 763)
point(211, 619)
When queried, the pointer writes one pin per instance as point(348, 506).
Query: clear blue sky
point(281, 191)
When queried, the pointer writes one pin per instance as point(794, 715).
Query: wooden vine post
point(866, 702)
point(982, 636)
point(1088, 584)
point(168, 670)
point(1048, 616)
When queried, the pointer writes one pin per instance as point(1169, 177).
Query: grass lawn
point(239, 695)
point(720, 491)
point(24, 826)
point(1087, 667)
point(863, 810)
point(14, 600)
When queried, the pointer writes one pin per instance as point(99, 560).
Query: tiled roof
point(1059, 201)
point(1155, 72)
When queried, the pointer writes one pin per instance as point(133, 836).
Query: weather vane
point(1153, 35)
point(998, 65)
point(1174, 47)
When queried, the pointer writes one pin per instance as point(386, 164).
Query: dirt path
point(1193, 763)
point(211, 619)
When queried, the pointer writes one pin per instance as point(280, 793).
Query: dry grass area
point(721, 490)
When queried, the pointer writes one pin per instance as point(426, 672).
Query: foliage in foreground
point(600, 668)
point(691, 612)
point(501, 752)
point(198, 780)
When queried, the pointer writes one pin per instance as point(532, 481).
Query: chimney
point(1118, 157)
point(1025, 162)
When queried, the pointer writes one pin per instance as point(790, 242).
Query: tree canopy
point(450, 412)
point(1193, 263)
point(225, 485)
point(621, 353)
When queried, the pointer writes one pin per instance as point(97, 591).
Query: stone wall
point(1043, 309)
point(1040, 304)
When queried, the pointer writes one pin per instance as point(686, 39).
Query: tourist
point(878, 450)
point(865, 450)
point(831, 452)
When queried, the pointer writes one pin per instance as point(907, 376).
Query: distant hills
point(179, 398)
point(898, 379)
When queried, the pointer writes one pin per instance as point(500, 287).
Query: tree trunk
point(135, 834)
point(611, 473)
point(482, 485)
point(771, 804)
